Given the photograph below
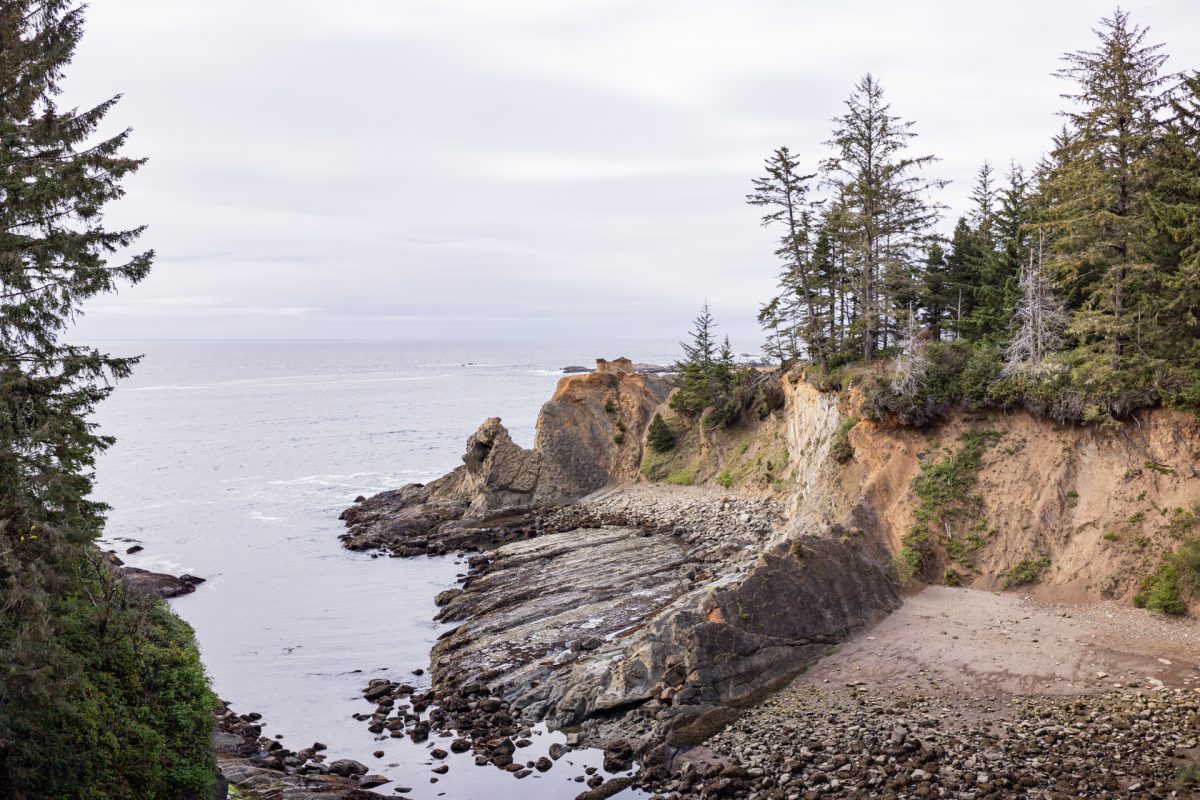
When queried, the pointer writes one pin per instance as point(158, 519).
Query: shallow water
point(233, 462)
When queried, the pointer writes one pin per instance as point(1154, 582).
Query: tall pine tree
point(101, 693)
point(783, 191)
point(1097, 185)
point(886, 205)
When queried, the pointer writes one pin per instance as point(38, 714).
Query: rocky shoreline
point(854, 742)
point(260, 767)
point(684, 629)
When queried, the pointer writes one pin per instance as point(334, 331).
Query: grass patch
point(946, 484)
point(1026, 571)
point(944, 490)
point(725, 478)
point(681, 477)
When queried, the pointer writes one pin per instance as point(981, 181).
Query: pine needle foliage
point(101, 694)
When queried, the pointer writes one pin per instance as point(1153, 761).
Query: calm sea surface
point(233, 462)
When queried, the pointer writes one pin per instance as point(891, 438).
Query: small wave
point(282, 382)
point(348, 479)
point(261, 517)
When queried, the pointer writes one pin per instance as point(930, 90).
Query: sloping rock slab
point(609, 622)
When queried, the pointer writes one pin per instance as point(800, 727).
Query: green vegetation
point(916, 553)
point(1188, 775)
point(659, 436)
point(707, 378)
point(102, 695)
point(724, 478)
point(841, 449)
point(681, 477)
point(944, 497)
point(944, 487)
point(1175, 581)
point(1026, 571)
point(1183, 522)
point(1072, 290)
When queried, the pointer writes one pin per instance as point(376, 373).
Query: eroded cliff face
point(646, 608)
point(1096, 509)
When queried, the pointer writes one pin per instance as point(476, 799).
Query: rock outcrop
point(588, 435)
point(640, 612)
point(656, 626)
point(158, 584)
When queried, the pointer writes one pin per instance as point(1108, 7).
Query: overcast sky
point(525, 168)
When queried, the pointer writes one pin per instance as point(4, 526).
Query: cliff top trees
point(1096, 187)
point(706, 374)
point(1110, 292)
point(783, 192)
point(887, 210)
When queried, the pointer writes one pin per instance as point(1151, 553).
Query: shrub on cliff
point(101, 694)
point(1177, 579)
point(659, 436)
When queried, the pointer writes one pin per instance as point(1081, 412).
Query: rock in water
point(347, 767)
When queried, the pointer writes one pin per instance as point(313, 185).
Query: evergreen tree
point(1096, 185)
point(1169, 325)
point(1039, 316)
point(82, 664)
point(964, 268)
point(782, 191)
point(659, 436)
point(983, 201)
point(887, 213)
point(706, 371)
point(936, 295)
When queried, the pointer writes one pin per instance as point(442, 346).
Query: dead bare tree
point(1039, 315)
point(913, 361)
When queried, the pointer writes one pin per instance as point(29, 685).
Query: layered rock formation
point(588, 435)
point(642, 612)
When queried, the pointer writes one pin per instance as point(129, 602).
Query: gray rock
point(347, 767)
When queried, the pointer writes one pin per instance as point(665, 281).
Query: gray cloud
point(437, 168)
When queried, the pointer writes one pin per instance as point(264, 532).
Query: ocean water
point(232, 463)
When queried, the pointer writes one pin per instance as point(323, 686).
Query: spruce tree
point(1169, 322)
point(783, 192)
point(936, 296)
point(1096, 190)
point(101, 693)
point(888, 213)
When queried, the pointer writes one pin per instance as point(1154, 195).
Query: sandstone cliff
point(644, 610)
